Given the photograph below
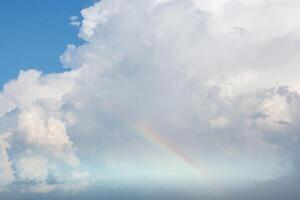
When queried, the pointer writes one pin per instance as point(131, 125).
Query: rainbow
point(154, 137)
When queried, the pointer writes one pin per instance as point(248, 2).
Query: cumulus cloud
point(41, 148)
point(6, 171)
point(216, 79)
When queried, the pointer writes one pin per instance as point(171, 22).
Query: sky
point(164, 99)
point(27, 37)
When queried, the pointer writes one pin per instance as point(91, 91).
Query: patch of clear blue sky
point(34, 33)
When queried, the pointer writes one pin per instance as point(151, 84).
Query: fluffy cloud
point(41, 148)
point(216, 79)
point(6, 170)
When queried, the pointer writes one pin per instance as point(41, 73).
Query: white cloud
point(97, 15)
point(74, 21)
point(6, 171)
point(32, 169)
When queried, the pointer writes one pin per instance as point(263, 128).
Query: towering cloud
point(213, 84)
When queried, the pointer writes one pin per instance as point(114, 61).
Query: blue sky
point(27, 38)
